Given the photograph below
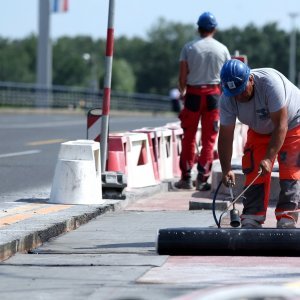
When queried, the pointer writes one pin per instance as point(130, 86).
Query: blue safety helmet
point(207, 21)
point(234, 77)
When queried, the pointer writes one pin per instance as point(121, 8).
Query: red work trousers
point(199, 103)
point(257, 196)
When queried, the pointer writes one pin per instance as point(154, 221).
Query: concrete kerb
point(207, 204)
point(31, 233)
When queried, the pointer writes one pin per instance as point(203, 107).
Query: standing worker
point(266, 101)
point(199, 84)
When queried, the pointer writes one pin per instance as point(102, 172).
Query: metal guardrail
point(30, 95)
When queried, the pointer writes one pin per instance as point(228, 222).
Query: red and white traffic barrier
point(129, 153)
point(154, 148)
point(94, 124)
point(177, 135)
point(165, 152)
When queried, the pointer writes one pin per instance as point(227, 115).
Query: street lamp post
point(292, 65)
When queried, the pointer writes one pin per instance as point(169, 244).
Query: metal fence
point(30, 95)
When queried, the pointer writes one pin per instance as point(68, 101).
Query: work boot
point(201, 184)
point(186, 184)
point(286, 223)
point(249, 223)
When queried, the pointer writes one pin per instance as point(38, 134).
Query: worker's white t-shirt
point(272, 91)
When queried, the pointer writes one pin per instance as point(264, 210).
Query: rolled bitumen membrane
point(228, 241)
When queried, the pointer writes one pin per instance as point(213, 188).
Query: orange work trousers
point(257, 196)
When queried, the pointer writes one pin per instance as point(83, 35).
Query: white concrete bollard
point(77, 177)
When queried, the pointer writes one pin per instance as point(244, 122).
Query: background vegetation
point(140, 65)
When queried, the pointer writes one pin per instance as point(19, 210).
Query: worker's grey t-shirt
point(272, 91)
point(205, 58)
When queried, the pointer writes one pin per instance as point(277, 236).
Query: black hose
point(214, 205)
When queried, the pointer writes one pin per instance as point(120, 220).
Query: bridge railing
point(30, 95)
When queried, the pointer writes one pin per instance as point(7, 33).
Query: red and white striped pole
point(107, 84)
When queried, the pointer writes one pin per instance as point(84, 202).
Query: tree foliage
point(123, 78)
point(17, 60)
point(140, 65)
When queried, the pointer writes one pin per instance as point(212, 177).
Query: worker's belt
point(203, 86)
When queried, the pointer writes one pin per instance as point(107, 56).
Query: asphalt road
point(30, 144)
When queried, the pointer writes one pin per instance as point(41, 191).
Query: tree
point(17, 60)
point(141, 65)
point(161, 56)
point(264, 47)
point(123, 78)
point(69, 67)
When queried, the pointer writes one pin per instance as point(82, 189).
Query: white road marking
point(20, 153)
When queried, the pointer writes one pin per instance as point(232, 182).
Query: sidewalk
point(27, 223)
point(113, 257)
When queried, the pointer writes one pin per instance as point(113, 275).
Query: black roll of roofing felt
point(228, 241)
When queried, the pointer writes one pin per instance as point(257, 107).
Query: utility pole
point(292, 65)
point(44, 54)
